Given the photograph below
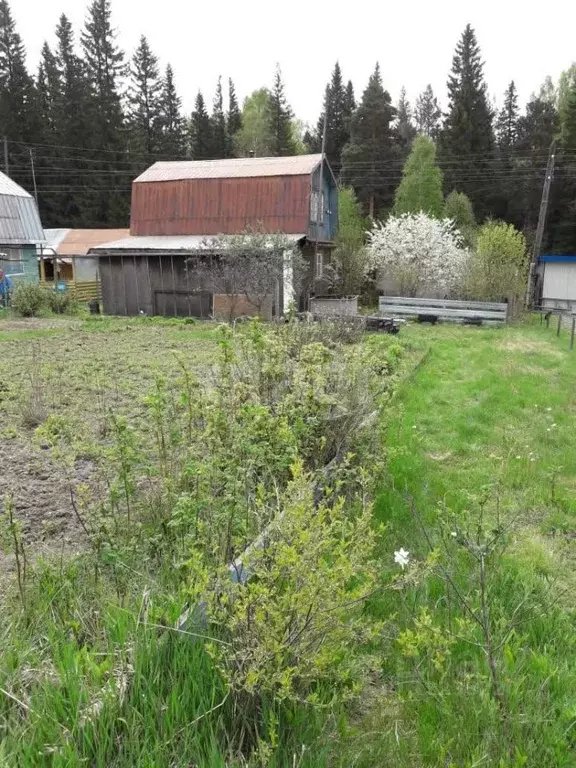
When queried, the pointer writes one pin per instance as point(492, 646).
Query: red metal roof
point(231, 168)
point(77, 242)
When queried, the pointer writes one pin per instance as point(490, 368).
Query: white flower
point(552, 426)
point(453, 534)
point(402, 557)
point(518, 457)
point(548, 409)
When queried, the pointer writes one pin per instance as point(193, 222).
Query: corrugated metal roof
point(231, 168)
point(9, 187)
point(19, 219)
point(54, 237)
point(168, 243)
point(77, 242)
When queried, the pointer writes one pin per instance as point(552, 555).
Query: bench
point(433, 310)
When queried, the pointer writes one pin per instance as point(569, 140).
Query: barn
point(178, 206)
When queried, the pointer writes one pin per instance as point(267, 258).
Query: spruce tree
point(233, 118)
point(507, 122)
point(504, 196)
point(19, 107)
point(312, 141)
point(48, 168)
point(562, 226)
point(466, 140)
point(427, 113)
point(74, 129)
point(367, 156)
point(280, 119)
point(144, 99)
point(536, 130)
point(201, 143)
point(104, 66)
point(338, 123)
point(349, 104)
point(218, 120)
point(49, 87)
point(171, 123)
point(421, 187)
point(405, 130)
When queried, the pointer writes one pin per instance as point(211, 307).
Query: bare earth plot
point(63, 377)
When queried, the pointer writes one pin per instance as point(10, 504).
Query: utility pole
point(33, 174)
point(530, 290)
point(6, 164)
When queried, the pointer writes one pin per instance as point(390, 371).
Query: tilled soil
point(40, 489)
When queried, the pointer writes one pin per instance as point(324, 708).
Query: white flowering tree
point(419, 252)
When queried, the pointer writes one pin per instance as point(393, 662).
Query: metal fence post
point(559, 324)
point(572, 331)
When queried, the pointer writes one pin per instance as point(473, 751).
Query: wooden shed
point(177, 206)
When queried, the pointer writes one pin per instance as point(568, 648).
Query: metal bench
point(433, 310)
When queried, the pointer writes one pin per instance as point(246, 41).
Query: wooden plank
point(444, 313)
point(447, 303)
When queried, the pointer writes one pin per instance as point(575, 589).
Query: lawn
point(482, 432)
point(478, 455)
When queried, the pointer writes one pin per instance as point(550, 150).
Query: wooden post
point(559, 323)
point(572, 331)
point(548, 320)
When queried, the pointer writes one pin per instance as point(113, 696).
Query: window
point(316, 208)
point(11, 261)
point(319, 264)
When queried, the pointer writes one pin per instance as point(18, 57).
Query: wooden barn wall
point(152, 284)
point(220, 206)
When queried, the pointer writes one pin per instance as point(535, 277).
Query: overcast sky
point(413, 41)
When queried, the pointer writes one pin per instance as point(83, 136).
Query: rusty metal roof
point(77, 242)
point(231, 168)
point(19, 218)
point(169, 243)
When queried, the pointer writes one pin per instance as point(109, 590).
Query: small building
point(178, 206)
point(557, 281)
point(65, 257)
point(20, 231)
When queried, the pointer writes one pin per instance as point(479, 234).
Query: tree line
point(90, 120)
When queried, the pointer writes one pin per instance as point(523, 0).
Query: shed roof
point(168, 243)
point(19, 218)
point(230, 168)
point(77, 242)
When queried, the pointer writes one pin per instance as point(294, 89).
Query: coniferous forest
point(92, 116)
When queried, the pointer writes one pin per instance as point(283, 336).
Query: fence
point(561, 318)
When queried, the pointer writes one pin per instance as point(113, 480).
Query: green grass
point(485, 422)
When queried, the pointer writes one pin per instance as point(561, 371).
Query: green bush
point(28, 299)
point(61, 303)
point(499, 268)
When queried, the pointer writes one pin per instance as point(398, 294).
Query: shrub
point(294, 625)
point(61, 303)
point(419, 252)
point(28, 299)
point(499, 268)
point(458, 208)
